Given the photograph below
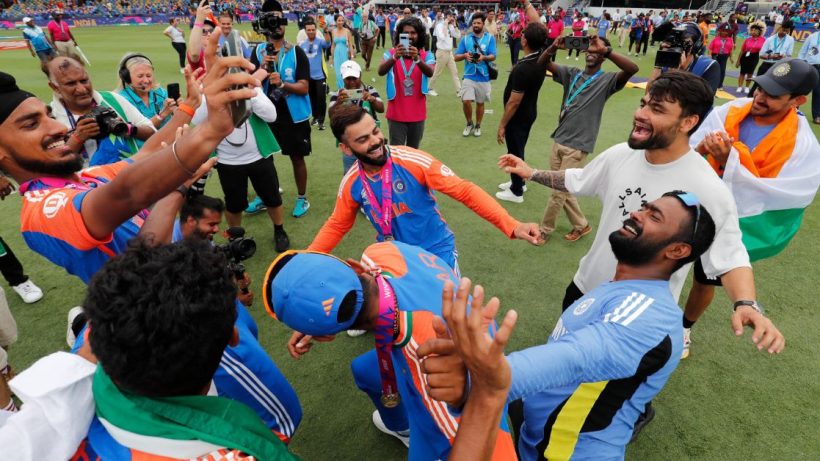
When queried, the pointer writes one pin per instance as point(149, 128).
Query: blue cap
point(305, 291)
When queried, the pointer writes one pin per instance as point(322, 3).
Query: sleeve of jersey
point(606, 350)
point(340, 221)
point(591, 179)
point(440, 177)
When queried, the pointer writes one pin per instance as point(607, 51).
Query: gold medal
point(390, 400)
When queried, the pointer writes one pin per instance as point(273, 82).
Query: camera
point(675, 45)
point(266, 23)
point(108, 121)
point(475, 56)
point(576, 43)
point(237, 249)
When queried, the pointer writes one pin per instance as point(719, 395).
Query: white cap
point(351, 69)
point(26, 19)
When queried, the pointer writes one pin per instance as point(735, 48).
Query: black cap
point(271, 5)
point(789, 76)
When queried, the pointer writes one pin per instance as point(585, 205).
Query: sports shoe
point(321, 127)
point(686, 342)
point(404, 436)
point(643, 419)
point(567, 56)
point(467, 130)
point(29, 292)
point(182, 71)
point(576, 234)
point(477, 131)
point(356, 333)
point(256, 206)
point(508, 184)
point(280, 240)
point(314, 122)
point(509, 196)
point(746, 90)
point(739, 89)
point(576, 58)
point(71, 331)
point(432, 93)
point(302, 206)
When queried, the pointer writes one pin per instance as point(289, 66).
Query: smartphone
point(404, 40)
point(240, 109)
point(173, 91)
point(354, 94)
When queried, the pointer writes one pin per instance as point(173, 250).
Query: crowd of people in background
point(691, 172)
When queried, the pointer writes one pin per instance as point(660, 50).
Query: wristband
point(183, 190)
point(132, 130)
point(199, 24)
point(186, 109)
point(179, 162)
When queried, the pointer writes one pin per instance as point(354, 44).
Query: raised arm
point(195, 39)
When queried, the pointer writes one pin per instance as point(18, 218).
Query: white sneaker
point(70, 337)
point(507, 185)
point(477, 131)
point(467, 130)
point(355, 333)
point(567, 57)
point(687, 341)
point(29, 292)
point(509, 196)
point(432, 93)
point(576, 58)
point(182, 71)
point(739, 89)
point(404, 436)
point(746, 90)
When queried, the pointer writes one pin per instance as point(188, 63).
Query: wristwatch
point(753, 304)
point(183, 190)
point(281, 84)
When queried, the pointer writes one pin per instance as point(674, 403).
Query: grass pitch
point(727, 401)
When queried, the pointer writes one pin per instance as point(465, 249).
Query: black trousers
point(381, 38)
point(180, 49)
point(516, 135)
point(318, 98)
point(10, 266)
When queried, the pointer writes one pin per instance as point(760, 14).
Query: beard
point(659, 140)
point(65, 166)
point(478, 30)
point(379, 161)
point(634, 251)
point(277, 34)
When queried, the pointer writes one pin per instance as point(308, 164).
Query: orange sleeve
point(109, 171)
point(440, 177)
point(340, 221)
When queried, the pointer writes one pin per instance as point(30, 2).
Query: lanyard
point(722, 44)
point(573, 94)
point(51, 182)
point(407, 73)
point(384, 211)
point(777, 46)
point(385, 333)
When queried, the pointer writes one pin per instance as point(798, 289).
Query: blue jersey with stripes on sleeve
point(610, 353)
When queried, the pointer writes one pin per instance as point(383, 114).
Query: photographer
point(94, 116)
point(356, 93)
point(286, 73)
point(683, 46)
point(585, 93)
point(478, 49)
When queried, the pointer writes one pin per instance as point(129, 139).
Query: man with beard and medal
point(395, 292)
point(395, 185)
point(610, 353)
point(657, 158)
point(287, 69)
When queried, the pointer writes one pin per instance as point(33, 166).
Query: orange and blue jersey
point(53, 226)
point(417, 277)
point(416, 217)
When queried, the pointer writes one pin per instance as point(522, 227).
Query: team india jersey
point(610, 353)
point(418, 277)
point(416, 216)
point(53, 226)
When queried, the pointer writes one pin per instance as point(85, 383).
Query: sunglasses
point(691, 200)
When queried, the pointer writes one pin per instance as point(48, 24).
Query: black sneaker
point(281, 240)
point(643, 419)
point(314, 122)
point(321, 126)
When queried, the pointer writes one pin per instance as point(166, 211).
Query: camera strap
point(383, 210)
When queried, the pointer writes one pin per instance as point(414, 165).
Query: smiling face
point(652, 233)
point(204, 227)
point(657, 124)
point(225, 25)
point(764, 104)
point(142, 77)
point(33, 144)
point(365, 141)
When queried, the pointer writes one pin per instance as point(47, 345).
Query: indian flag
point(772, 185)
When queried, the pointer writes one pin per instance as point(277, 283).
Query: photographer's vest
point(298, 104)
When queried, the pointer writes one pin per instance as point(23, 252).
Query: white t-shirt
point(176, 35)
point(624, 180)
point(239, 147)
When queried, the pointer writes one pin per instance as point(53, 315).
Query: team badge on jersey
point(399, 187)
point(583, 306)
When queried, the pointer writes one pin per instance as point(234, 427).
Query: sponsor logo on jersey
point(54, 203)
point(583, 306)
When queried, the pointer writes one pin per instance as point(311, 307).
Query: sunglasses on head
point(691, 200)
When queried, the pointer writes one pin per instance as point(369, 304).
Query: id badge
point(407, 83)
point(748, 53)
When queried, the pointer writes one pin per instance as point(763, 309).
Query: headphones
point(125, 74)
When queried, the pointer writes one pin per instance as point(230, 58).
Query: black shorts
point(701, 277)
point(293, 138)
point(234, 181)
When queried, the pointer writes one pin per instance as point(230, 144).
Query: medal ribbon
point(384, 333)
point(384, 210)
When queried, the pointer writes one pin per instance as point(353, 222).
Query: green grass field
point(727, 401)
